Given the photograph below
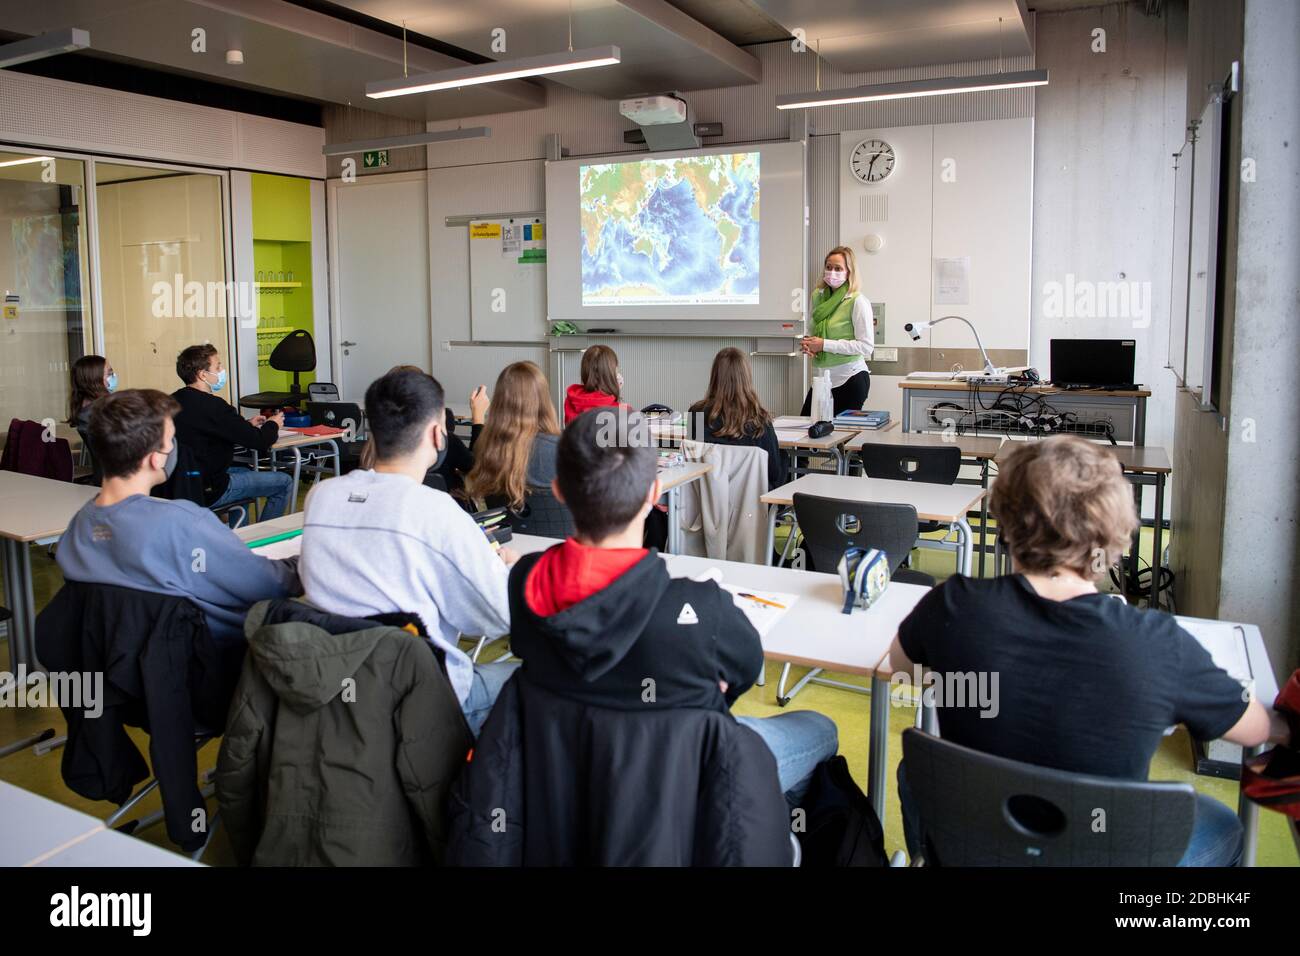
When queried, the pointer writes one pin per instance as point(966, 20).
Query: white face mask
point(618, 377)
point(834, 277)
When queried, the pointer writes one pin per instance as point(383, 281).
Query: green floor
point(849, 710)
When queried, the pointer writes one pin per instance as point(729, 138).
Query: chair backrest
point(980, 810)
point(936, 464)
point(296, 353)
point(543, 514)
point(337, 414)
point(831, 526)
point(323, 392)
point(27, 451)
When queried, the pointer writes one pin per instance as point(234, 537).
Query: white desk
point(36, 831)
point(295, 443)
point(947, 504)
point(815, 632)
point(32, 511)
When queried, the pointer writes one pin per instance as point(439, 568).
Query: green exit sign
point(375, 159)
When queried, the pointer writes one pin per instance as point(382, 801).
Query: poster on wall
point(952, 281)
point(46, 256)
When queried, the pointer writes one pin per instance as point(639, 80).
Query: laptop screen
point(1093, 361)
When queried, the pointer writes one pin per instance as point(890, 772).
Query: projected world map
point(671, 231)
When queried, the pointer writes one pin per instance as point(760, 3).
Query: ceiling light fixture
point(496, 72)
point(27, 159)
point(940, 86)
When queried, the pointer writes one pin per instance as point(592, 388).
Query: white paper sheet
point(1225, 642)
point(762, 616)
point(288, 548)
point(952, 281)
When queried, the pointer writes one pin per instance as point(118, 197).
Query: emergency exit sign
point(374, 159)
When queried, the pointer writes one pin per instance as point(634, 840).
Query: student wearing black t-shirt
point(1085, 682)
point(731, 414)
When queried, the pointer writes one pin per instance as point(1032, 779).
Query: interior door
point(381, 264)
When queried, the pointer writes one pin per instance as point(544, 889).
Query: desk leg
point(878, 745)
point(984, 509)
point(1137, 541)
point(297, 473)
point(17, 588)
point(1157, 540)
point(841, 462)
point(674, 543)
point(771, 533)
point(965, 547)
point(1248, 813)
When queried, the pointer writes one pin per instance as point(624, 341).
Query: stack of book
point(855, 418)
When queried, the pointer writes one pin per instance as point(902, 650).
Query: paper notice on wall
point(511, 239)
point(952, 281)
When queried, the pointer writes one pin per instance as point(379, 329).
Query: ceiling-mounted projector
point(654, 110)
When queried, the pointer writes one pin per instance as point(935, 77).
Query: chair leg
point(126, 808)
point(478, 649)
point(782, 698)
point(53, 743)
point(34, 740)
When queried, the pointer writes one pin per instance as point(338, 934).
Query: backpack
point(841, 827)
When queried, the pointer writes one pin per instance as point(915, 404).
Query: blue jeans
point(484, 691)
point(799, 741)
point(1216, 834)
point(274, 486)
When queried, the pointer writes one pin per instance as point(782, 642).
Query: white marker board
point(507, 276)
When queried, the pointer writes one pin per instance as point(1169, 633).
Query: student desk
point(815, 632)
point(295, 442)
point(1125, 411)
point(32, 510)
point(791, 438)
point(1143, 465)
point(35, 831)
point(975, 450)
point(947, 504)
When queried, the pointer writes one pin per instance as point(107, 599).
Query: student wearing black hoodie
point(597, 616)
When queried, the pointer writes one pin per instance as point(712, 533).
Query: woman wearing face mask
point(843, 334)
point(92, 378)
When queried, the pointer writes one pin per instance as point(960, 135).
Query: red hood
point(578, 400)
point(571, 572)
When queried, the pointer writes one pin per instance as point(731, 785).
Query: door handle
point(347, 344)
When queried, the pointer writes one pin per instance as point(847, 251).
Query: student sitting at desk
point(1087, 683)
point(597, 615)
point(92, 378)
point(210, 428)
point(731, 414)
point(124, 537)
point(516, 450)
point(379, 541)
point(600, 386)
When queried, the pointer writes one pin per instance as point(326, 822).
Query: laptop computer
point(1093, 363)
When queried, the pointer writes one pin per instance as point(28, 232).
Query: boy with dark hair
point(594, 617)
point(210, 428)
point(379, 541)
point(126, 538)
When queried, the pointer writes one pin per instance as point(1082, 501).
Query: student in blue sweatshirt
point(124, 537)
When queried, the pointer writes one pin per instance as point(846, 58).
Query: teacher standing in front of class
point(843, 334)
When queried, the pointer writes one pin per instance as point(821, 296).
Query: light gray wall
point(1261, 530)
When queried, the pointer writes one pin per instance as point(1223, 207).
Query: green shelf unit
point(282, 256)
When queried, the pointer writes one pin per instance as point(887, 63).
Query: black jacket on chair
point(162, 672)
point(613, 744)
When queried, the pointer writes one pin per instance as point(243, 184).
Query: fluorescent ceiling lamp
point(27, 159)
point(401, 142)
point(496, 72)
point(47, 44)
point(910, 88)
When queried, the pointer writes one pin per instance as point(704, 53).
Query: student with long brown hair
point(516, 450)
point(601, 384)
point(731, 414)
point(92, 378)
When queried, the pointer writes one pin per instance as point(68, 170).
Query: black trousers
point(852, 394)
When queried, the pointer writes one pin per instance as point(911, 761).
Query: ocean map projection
point(681, 231)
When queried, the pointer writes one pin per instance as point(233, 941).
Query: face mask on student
point(169, 465)
point(834, 277)
point(220, 383)
point(111, 382)
point(442, 453)
point(618, 377)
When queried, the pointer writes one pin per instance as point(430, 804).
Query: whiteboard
point(507, 279)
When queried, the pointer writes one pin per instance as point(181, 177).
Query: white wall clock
point(871, 161)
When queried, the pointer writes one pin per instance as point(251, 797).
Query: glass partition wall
point(45, 317)
point(126, 260)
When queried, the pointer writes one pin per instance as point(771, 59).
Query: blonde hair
point(850, 266)
point(1063, 502)
point(521, 410)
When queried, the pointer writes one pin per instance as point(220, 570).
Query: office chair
point(323, 392)
point(830, 526)
point(982, 810)
point(295, 353)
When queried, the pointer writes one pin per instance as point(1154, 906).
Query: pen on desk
point(755, 597)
